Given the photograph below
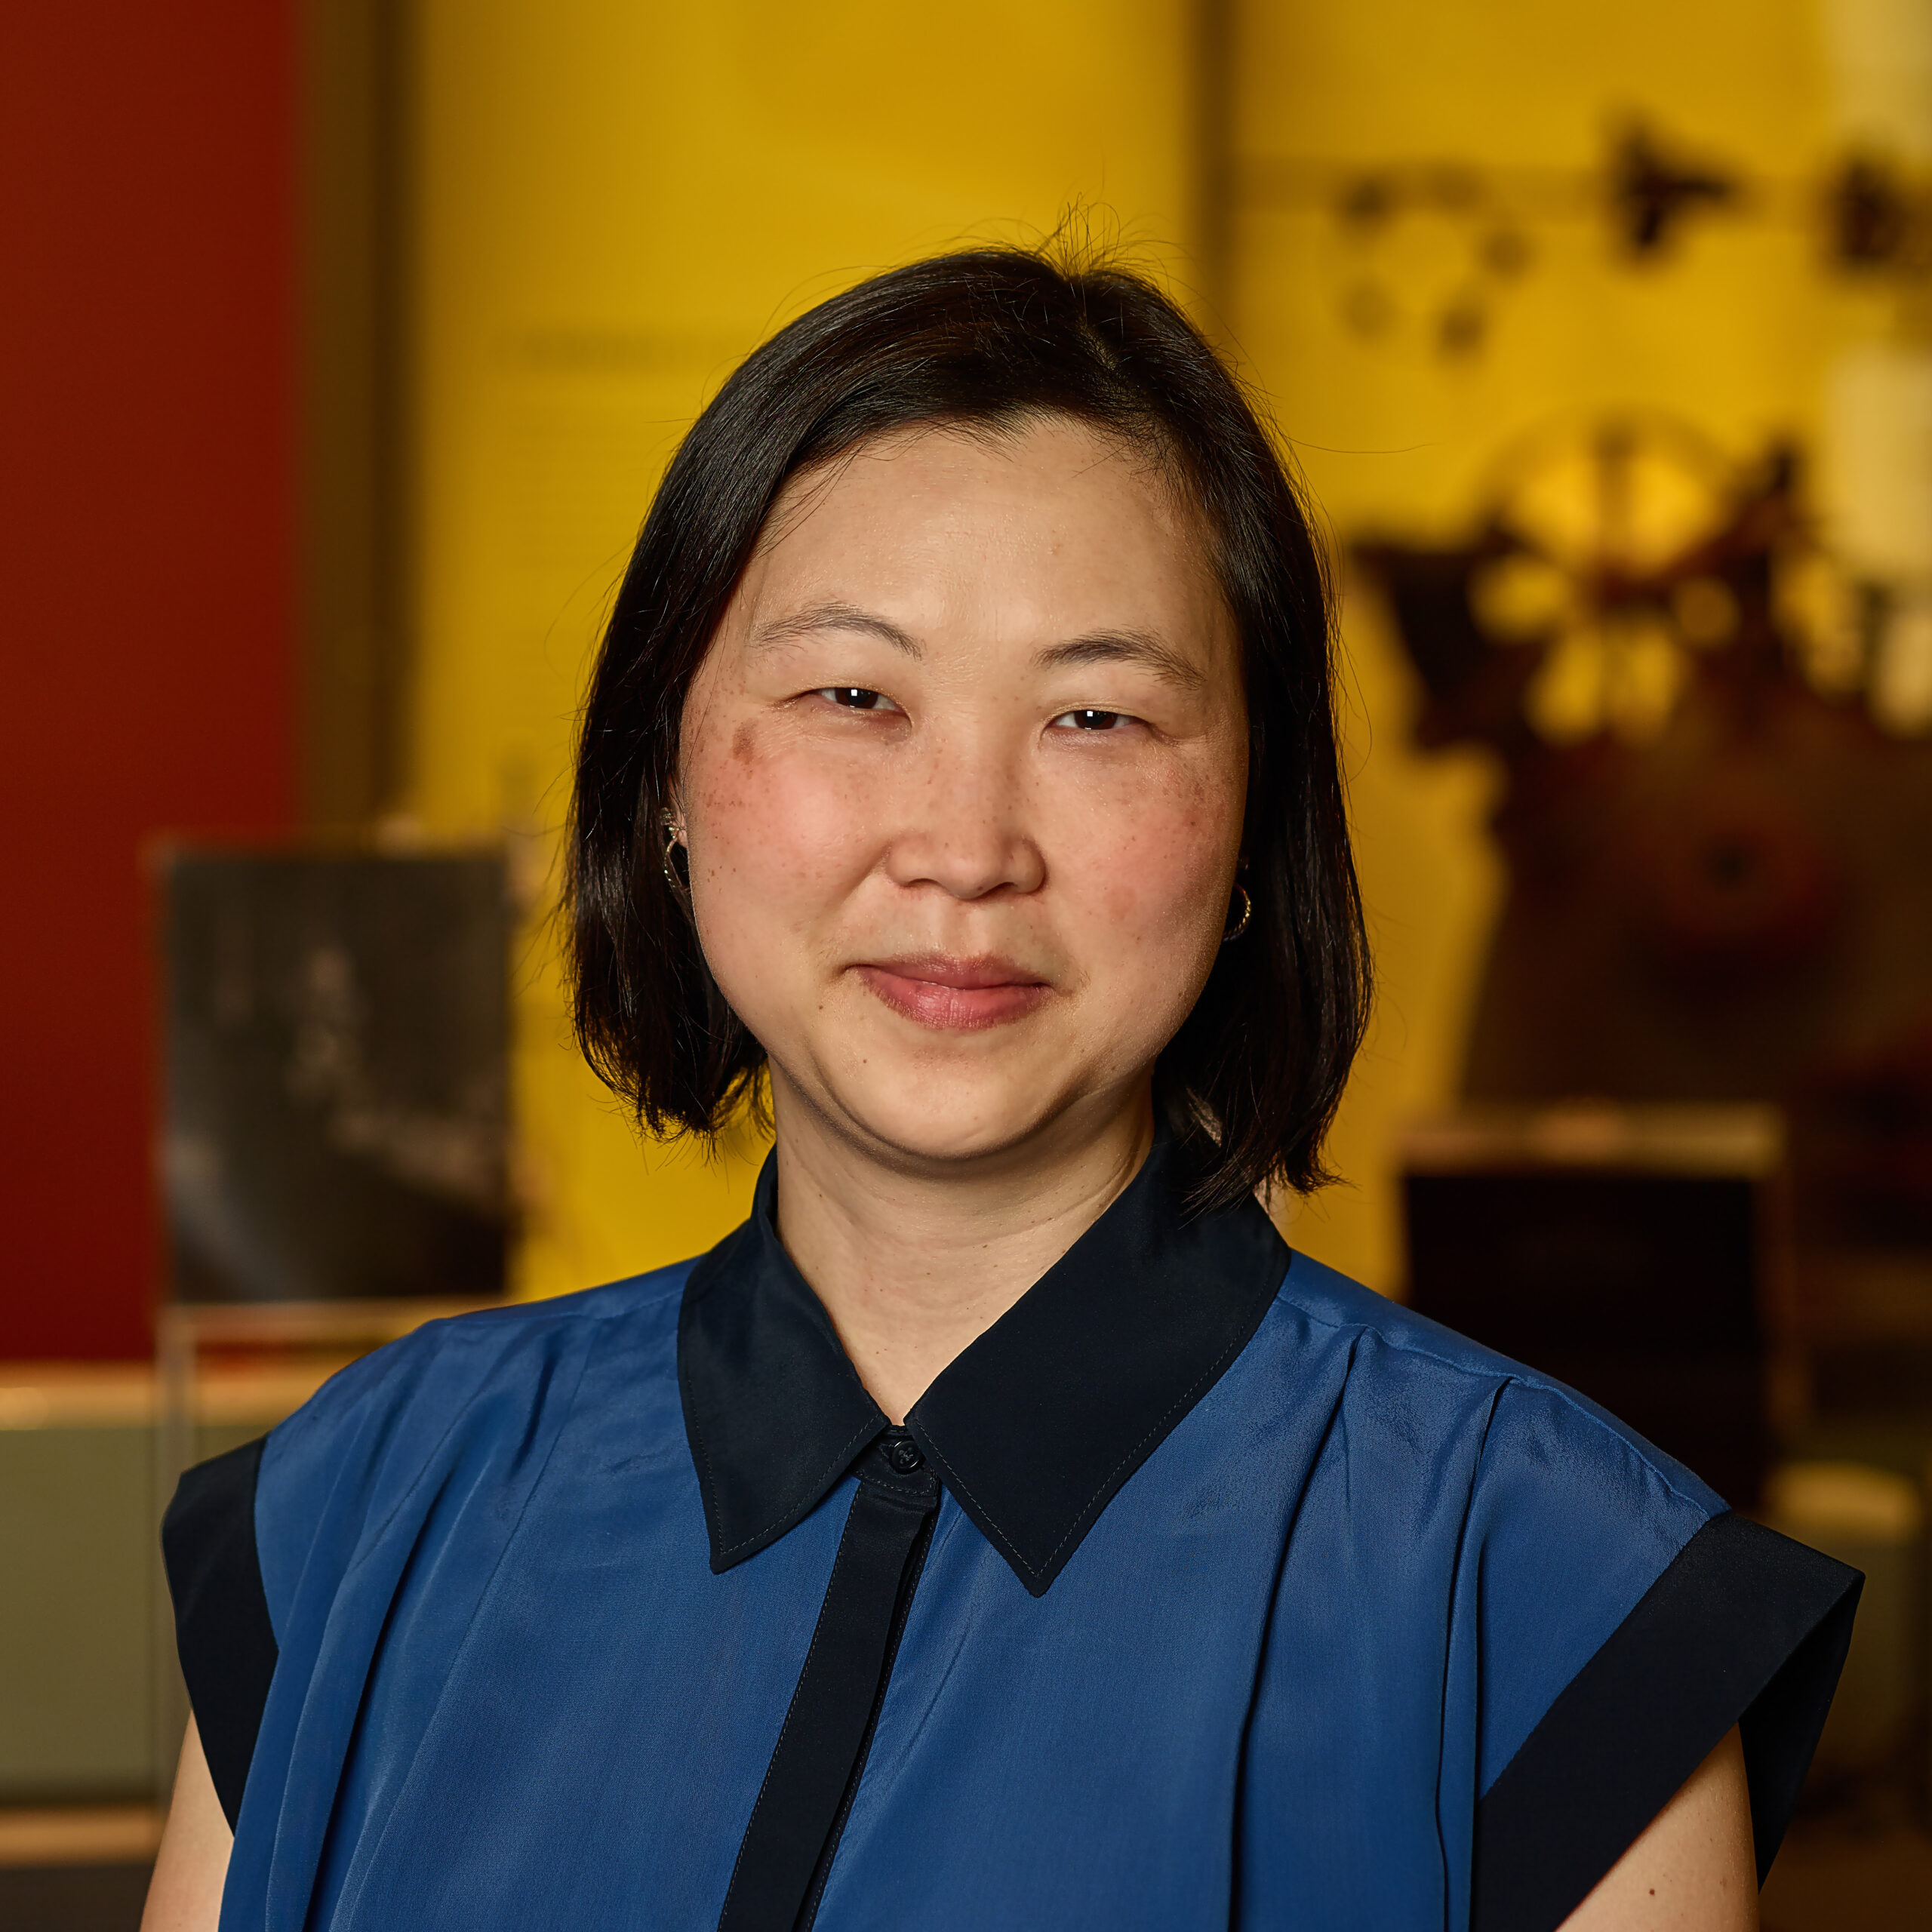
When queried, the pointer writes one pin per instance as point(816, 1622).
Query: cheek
point(1158, 863)
point(767, 825)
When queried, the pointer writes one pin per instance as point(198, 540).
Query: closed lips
point(955, 995)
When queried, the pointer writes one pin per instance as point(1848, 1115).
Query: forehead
point(1049, 507)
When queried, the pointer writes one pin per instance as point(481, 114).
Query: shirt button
point(902, 1453)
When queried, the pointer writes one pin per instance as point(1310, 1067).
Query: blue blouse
point(1207, 1589)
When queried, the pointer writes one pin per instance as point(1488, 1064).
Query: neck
point(913, 1264)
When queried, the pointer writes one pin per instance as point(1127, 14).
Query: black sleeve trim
point(1746, 1627)
point(221, 1612)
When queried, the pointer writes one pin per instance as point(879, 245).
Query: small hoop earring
point(1240, 926)
point(679, 886)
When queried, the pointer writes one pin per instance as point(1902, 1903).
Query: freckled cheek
point(772, 825)
point(1151, 853)
point(1155, 874)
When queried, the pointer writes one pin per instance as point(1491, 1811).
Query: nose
point(965, 822)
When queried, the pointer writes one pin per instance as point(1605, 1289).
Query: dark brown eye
point(1093, 720)
point(856, 697)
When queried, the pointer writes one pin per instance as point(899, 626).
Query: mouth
point(955, 996)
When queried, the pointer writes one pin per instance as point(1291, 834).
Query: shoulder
point(446, 1364)
point(1608, 1619)
point(1548, 1518)
point(1330, 1302)
point(1536, 1436)
point(258, 1542)
point(463, 1395)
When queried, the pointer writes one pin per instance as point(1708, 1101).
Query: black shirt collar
point(1033, 1427)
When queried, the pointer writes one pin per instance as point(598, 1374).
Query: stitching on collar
point(1162, 1426)
point(813, 1492)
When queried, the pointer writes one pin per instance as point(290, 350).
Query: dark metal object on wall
point(336, 1121)
point(1869, 216)
point(1651, 191)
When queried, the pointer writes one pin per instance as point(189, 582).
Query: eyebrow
point(1140, 648)
point(836, 618)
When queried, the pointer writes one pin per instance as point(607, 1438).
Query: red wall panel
point(147, 524)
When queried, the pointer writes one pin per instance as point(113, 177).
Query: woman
point(1000, 1528)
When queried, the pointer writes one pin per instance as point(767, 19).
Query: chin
point(924, 1116)
point(933, 1099)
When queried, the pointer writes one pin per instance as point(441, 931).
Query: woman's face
point(961, 778)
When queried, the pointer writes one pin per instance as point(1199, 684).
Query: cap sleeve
point(228, 1558)
point(223, 1631)
point(1625, 1623)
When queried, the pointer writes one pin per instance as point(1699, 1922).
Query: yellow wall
point(620, 199)
point(1728, 332)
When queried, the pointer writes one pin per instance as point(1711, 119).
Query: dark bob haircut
point(991, 339)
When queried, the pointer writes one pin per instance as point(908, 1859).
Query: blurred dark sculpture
point(1719, 851)
point(336, 1117)
point(1652, 191)
point(1878, 218)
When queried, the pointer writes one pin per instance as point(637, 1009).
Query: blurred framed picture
point(335, 1119)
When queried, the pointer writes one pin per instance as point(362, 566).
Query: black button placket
point(821, 1748)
